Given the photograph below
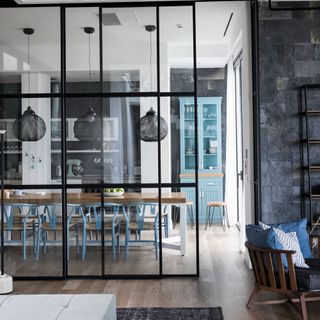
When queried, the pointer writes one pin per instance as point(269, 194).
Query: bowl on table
point(114, 194)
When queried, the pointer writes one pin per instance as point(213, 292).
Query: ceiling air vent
point(110, 19)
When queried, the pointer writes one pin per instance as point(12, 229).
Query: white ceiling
point(125, 46)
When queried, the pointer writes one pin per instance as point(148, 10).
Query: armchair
point(297, 285)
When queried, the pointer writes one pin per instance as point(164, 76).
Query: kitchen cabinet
point(209, 149)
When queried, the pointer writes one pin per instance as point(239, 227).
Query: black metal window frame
point(63, 95)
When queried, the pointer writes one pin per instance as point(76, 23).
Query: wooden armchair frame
point(270, 275)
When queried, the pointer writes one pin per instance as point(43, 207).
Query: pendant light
point(29, 126)
point(87, 127)
point(149, 122)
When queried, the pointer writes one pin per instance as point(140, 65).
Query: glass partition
point(81, 165)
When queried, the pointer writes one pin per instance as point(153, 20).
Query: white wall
point(240, 30)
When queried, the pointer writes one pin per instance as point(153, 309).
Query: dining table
point(128, 198)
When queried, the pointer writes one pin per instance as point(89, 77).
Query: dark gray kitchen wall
point(289, 53)
point(212, 82)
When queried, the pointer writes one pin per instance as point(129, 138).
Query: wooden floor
point(225, 281)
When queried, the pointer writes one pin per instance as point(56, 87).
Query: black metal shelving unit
point(310, 144)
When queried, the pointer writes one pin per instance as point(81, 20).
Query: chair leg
point(24, 238)
point(223, 221)
point(253, 297)
point(227, 216)
point(156, 241)
point(84, 243)
point(303, 307)
point(211, 215)
point(207, 218)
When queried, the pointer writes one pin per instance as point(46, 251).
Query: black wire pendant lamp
point(87, 127)
point(29, 126)
point(149, 122)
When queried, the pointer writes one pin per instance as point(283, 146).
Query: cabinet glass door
point(209, 155)
point(189, 147)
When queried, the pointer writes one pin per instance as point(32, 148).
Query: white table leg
point(183, 228)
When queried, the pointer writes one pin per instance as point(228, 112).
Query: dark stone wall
point(289, 53)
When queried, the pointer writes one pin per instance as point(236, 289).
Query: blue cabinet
point(209, 149)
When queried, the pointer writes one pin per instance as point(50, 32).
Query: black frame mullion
point(159, 141)
point(63, 141)
point(195, 75)
point(101, 143)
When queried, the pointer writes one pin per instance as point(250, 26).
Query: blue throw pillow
point(265, 239)
point(300, 227)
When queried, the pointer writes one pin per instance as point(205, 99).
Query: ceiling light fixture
point(87, 127)
point(149, 122)
point(29, 126)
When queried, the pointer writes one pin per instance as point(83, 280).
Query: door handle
point(240, 175)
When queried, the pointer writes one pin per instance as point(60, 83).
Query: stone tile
point(277, 61)
point(303, 51)
point(283, 83)
point(306, 68)
point(315, 35)
point(274, 15)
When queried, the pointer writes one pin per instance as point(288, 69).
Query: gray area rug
point(169, 313)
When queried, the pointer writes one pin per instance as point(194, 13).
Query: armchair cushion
point(264, 239)
point(300, 227)
point(309, 279)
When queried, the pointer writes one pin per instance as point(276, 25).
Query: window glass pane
point(32, 232)
point(36, 73)
point(176, 49)
point(179, 239)
point(84, 224)
point(82, 50)
point(137, 212)
point(129, 51)
point(178, 149)
point(32, 145)
point(128, 158)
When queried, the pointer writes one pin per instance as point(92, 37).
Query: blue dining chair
point(144, 217)
point(51, 221)
point(111, 222)
point(22, 217)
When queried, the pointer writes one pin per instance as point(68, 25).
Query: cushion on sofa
point(265, 239)
point(300, 227)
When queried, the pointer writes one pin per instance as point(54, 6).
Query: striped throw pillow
point(289, 241)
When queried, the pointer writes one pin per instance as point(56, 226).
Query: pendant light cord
point(150, 62)
point(89, 68)
point(29, 67)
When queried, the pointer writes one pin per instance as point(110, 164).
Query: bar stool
point(223, 210)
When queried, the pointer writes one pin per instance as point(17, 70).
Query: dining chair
point(145, 217)
point(52, 221)
point(110, 219)
point(21, 217)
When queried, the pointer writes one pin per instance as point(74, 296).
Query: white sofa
point(58, 307)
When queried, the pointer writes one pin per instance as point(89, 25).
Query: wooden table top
point(85, 198)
